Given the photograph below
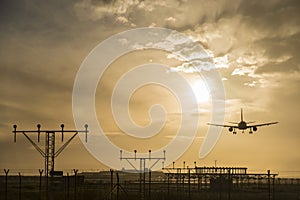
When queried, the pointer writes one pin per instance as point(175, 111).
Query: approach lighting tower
point(49, 153)
point(143, 160)
point(142, 169)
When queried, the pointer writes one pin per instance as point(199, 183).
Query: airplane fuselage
point(242, 125)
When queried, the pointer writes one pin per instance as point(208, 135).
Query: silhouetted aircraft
point(242, 125)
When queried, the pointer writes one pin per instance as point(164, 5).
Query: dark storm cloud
point(278, 22)
point(102, 2)
point(35, 14)
point(277, 19)
point(285, 50)
point(281, 46)
point(258, 9)
point(291, 65)
point(271, 28)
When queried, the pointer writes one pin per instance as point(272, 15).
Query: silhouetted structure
point(49, 153)
point(242, 125)
point(219, 179)
point(142, 169)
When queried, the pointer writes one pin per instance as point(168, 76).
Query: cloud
point(240, 35)
point(288, 66)
point(42, 46)
point(170, 19)
point(122, 19)
point(244, 71)
point(256, 37)
point(252, 84)
point(121, 10)
point(88, 10)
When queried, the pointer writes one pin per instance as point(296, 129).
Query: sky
point(255, 47)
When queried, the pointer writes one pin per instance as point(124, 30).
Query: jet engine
point(254, 128)
point(230, 129)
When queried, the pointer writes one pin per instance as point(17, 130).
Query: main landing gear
point(232, 130)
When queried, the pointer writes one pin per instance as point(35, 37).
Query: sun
point(200, 90)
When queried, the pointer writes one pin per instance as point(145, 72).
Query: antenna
point(49, 153)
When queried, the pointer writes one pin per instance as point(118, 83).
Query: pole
point(177, 181)
point(20, 186)
point(141, 190)
point(68, 185)
point(118, 185)
point(189, 178)
point(40, 183)
point(149, 184)
point(269, 185)
point(273, 187)
point(183, 183)
point(298, 186)
point(229, 184)
point(6, 176)
point(199, 182)
point(144, 177)
point(168, 185)
point(75, 183)
point(111, 183)
point(46, 156)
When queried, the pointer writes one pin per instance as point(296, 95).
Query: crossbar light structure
point(49, 153)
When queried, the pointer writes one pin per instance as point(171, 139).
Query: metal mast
point(49, 153)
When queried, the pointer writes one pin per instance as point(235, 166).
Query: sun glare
point(200, 90)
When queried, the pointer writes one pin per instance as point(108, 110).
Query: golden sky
point(255, 47)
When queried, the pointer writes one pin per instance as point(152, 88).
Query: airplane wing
point(265, 124)
point(224, 125)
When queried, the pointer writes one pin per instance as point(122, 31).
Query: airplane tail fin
point(242, 118)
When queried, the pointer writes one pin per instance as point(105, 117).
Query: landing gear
point(250, 132)
point(232, 129)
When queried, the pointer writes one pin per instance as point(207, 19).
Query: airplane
point(242, 125)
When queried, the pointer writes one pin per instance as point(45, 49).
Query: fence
point(78, 185)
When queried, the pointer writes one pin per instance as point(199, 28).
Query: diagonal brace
point(155, 163)
point(35, 145)
point(131, 164)
point(64, 145)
